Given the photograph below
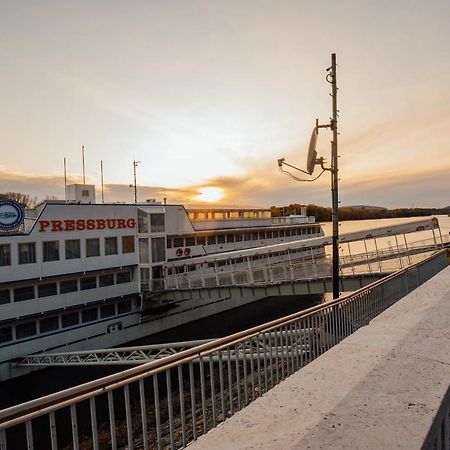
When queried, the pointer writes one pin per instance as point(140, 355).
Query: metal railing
point(264, 271)
point(169, 402)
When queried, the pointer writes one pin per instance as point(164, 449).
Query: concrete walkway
point(378, 389)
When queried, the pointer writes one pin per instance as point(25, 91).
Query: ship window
point(239, 237)
point(123, 277)
point(107, 311)
point(106, 280)
point(23, 293)
point(159, 249)
point(111, 246)
point(68, 286)
point(27, 253)
point(144, 257)
point(190, 241)
point(50, 251)
point(5, 296)
point(69, 320)
point(92, 247)
point(72, 249)
point(5, 254)
point(124, 307)
point(49, 324)
point(275, 233)
point(221, 239)
point(287, 233)
point(127, 244)
point(201, 240)
point(5, 334)
point(247, 236)
point(88, 283)
point(212, 240)
point(142, 222)
point(178, 242)
point(157, 223)
point(88, 315)
point(254, 236)
point(45, 290)
point(230, 238)
point(25, 330)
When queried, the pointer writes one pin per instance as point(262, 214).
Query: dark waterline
point(50, 380)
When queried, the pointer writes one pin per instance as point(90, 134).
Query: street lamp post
point(135, 163)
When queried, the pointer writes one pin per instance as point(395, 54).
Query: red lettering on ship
point(57, 225)
point(69, 225)
point(85, 224)
point(43, 224)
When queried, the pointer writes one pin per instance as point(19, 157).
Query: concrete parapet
point(380, 388)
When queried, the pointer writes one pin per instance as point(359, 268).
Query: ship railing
point(289, 267)
point(170, 402)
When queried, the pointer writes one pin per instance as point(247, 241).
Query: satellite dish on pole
point(312, 154)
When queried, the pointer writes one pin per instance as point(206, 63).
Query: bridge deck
point(379, 388)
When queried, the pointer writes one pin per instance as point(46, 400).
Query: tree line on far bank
point(323, 214)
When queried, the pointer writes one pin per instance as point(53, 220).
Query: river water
point(50, 380)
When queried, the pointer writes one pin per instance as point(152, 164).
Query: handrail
point(34, 408)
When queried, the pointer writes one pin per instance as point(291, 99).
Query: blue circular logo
point(11, 214)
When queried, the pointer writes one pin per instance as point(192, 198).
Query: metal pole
point(101, 172)
point(82, 156)
point(334, 180)
point(65, 179)
point(135, 187)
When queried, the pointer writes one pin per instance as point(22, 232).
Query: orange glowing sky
point(209, 94)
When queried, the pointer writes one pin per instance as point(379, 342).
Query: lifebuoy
point(187, 251)
point(179, 252)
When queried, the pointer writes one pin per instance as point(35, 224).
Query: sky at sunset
point(209, 94)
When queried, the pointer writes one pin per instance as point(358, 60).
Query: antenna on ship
point(135, 163)
point(101, 175)
point(312, 161)
point(65, 180)
point(82, 157)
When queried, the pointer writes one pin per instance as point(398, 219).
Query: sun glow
point(210, 194)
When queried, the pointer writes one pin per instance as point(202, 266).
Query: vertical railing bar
point(93, 423)
point(74, 423)
point(182, 410)
point(192, 388)
point(213, 389)
point(143, 413)
point(112, 420)
point(301, 323)
point(3, 443)
point(252, 372)
point(170, 408)
point(258, 363)
point(277, 375)
point(53, 433)
point(282, 353)
point(29, 434)
point(291, 340)
point(238, 376)
point(203, 393)
point(222, 387)
point(157, 411)
point(244, 367)
point(265, 360)
point(271, 359)
point(230, 380)
point(126, 391)
point(297, 356)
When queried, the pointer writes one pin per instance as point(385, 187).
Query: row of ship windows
point(20, 294)
point(72, 249)
point(71, 319)
point(227, 238)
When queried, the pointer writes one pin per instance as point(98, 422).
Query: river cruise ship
point(76, 274)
